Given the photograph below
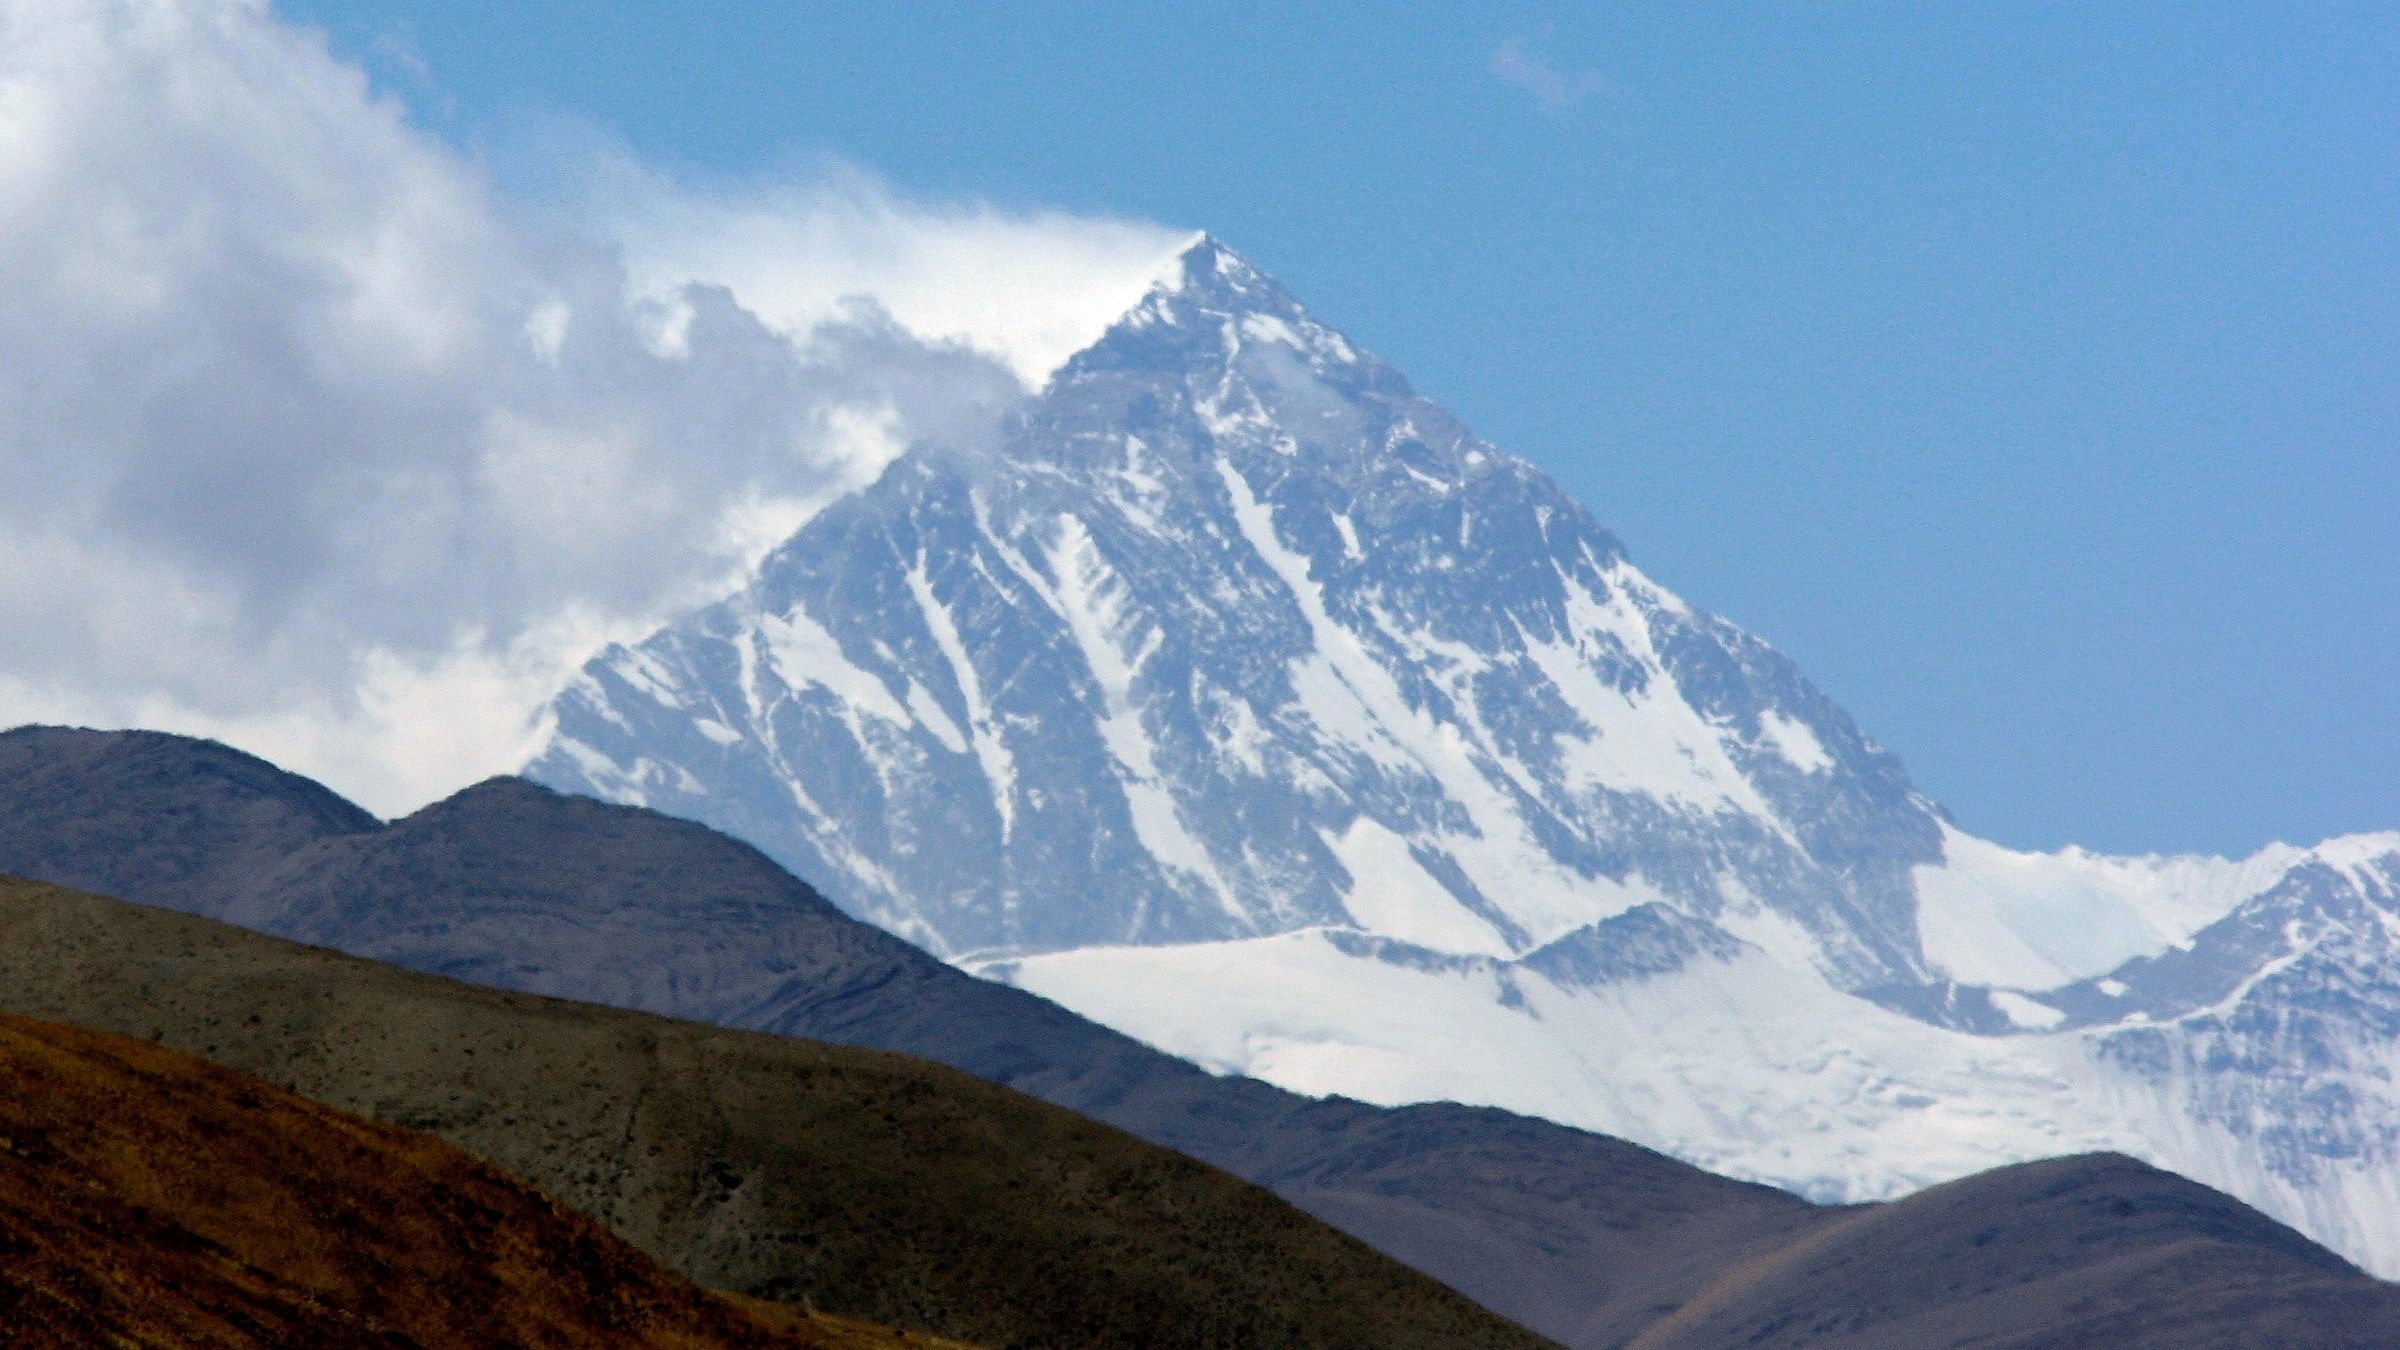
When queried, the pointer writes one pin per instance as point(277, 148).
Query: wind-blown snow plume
point(1029, 289)
point(309, 441)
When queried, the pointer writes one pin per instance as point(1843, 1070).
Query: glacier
point(1248, 703)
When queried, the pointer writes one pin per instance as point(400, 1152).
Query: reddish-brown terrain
point(151, 1198)
point(873, 1185)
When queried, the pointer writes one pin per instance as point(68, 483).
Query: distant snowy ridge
point(1990, 915)
point(1248, 703)
point(2258, 1057)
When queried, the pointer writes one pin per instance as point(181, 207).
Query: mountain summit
point(1247, 702)
point(1241, 637)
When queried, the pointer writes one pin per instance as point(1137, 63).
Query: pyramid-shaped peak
point(1213, 276)
point(1210, 291)
point(1210, 260)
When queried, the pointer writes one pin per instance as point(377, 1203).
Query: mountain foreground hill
point(1588, 1239)
point(151, 1198)
point(867, 1184)
point(1244, 701)
point(515, 886)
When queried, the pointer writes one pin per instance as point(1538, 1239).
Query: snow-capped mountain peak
point(1247, 701)
point(1216, 313)
point(1336, 661)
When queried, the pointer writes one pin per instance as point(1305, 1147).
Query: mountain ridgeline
point(1247, 703)
point(786, 1168)
point(872, 1185)
point(1239, 636)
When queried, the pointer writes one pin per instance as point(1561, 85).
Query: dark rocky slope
point(1585, 1238)
point(511, 885)
point(2068, 1252)
point(869, 1184)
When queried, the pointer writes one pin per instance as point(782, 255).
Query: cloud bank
point(309, 442)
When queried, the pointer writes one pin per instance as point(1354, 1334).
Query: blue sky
point(2027, 373)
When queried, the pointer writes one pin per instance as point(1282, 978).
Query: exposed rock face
point(1239, 637)
point(1248, 703)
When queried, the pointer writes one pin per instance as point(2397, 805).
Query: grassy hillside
point(151, 1198)
point(867, 1184)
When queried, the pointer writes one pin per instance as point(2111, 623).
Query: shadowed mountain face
point(2071, 1252)
point(151, 1198)
point(512, 885)
point(870, 1184)
point(1585, 1238)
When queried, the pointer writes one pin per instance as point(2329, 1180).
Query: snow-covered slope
point(1990, 915)
point(1238, 637)
point(1247, 702)
point(2259, 1060)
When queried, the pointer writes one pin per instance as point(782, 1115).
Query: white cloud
point(1516, 62)
point(1029, 288)
point(306, 444)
